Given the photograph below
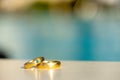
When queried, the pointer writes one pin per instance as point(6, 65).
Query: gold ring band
point(49, 65)
point(33, 63)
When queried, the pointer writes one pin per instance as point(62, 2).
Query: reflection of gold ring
point(33, 63)
point(49, 65)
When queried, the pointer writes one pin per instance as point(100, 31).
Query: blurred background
point(60, 29)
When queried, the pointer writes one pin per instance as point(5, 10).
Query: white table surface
point(70, 70)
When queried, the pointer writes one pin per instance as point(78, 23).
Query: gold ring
point(33, 63)
point(49, 65)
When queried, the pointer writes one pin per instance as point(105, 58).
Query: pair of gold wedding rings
point(40, 63)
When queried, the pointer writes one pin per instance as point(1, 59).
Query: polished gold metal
point(49, 65)
point(33, 63)
point(38, 60)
